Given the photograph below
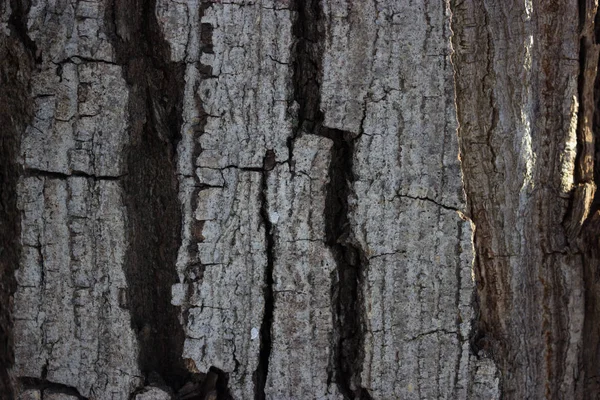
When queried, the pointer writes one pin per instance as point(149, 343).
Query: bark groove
point(262, 369)
point(351, 262)
point(150, 184)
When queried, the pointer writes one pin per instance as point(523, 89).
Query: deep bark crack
point(351, 261)
point(48, 387)
point(150, 186)
point(60, 175)
point(262, 369)
point(17, 23)
point(351, 266)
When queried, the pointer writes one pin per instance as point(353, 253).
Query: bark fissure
point(351, 265)
point(150, 185)
point(351, 261)
point(47, 387)
point(17, 23)
point(28, 172)
point(422, 198)
point(262, 369)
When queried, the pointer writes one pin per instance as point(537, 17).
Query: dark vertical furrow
point(150, 187)
point(262, 370)
point(351, 262)
point(17, 54)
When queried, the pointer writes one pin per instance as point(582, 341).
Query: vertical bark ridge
point(528, 273)
point(584, 218)
point(151, 188)
point(585, 190)
point(481, 51)
point(235, 130)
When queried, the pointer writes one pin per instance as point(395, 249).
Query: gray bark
point(277, 199)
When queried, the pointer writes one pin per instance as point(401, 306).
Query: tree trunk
point(286, 199)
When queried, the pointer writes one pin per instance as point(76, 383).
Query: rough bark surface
point(525, 81)
point(277, 199)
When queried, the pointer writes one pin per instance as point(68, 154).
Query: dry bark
point(525, 79)
point(273, 199)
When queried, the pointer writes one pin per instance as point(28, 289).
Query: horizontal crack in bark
point(47, 387)
point(450, 208)
point(33, 172)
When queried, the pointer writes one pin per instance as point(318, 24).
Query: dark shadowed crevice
point(29, 172)
point(220, 386)
point(18, 27)
point(47, 387)
point(351, 263)
point(348, 309)
point(150, 185)
point(262, 369)
point(17, 53)
point(308, 29)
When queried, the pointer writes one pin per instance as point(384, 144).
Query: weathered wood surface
point(279, 199)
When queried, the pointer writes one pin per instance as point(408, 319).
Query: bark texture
point(277, 199)
point(526, 83)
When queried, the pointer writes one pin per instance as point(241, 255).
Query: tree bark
point(277, 199)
